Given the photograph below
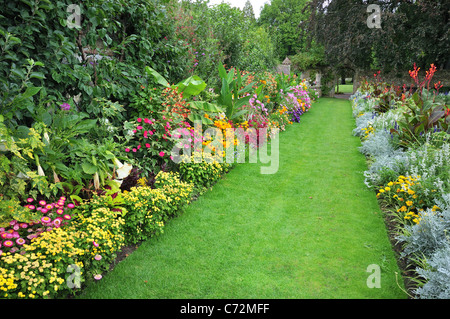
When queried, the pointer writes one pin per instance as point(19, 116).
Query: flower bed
point(405, 136)
point(108, 194)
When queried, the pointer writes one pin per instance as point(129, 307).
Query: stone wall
point(283, 68)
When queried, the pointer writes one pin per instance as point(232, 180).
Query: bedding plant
point(405, 136)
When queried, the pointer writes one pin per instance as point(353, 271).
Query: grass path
point(308, 231)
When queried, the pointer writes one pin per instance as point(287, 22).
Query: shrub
point(149, 208)
point(436, 275)
point(202, 173)
point(87, 241)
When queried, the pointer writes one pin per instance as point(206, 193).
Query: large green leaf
point(193, 85)
point(222, 72)
point(85, 126)
point(206, 106)
point(89, 168)
point(194, 117)
point(29, 92)
point(158, 77)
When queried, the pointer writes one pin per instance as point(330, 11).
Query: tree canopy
point(283, 17)
point(410, 32)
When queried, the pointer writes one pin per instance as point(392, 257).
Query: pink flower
point(127, 150)
point(98, 257)
point(67, 217)
point(29, 200)
point(31, 207)
point(60, 211)
point(20, 241)
point(44, 210)
point(147, 145)
point(161, 154)
point(46, 219)
point(42, 203)
point(57, 222)
point(139, 120)
point(97, 277)
point(134, 150)
point(139, 127)
point(8, 243)
point(95, 244)
point(150, 132)
point(70, 205)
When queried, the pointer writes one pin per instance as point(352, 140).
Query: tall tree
point(248, 11)
point(282, 18)
point(410, 31)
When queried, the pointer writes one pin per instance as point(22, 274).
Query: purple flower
point(65, 106)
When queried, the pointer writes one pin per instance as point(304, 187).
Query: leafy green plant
point(204, 173)
point(231, 95)
point(425, 114)
point(149, 208)
point(189, 87)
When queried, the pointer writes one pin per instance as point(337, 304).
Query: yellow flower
point(387, 189)
point(409, 203)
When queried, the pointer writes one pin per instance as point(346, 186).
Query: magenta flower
point(46, 219)
point(127, 150)
point(161, 154)
point(95, 244)
point(57, 222)
point(29, 200)
point(67, 217)
point(70, 205)
point(139, 120)
point(8, 243)
point(65, 106)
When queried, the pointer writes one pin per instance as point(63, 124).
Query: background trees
point(411, 32)
point(282, 18)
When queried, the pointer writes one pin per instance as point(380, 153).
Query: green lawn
point(345, 88)
point(308, 231)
